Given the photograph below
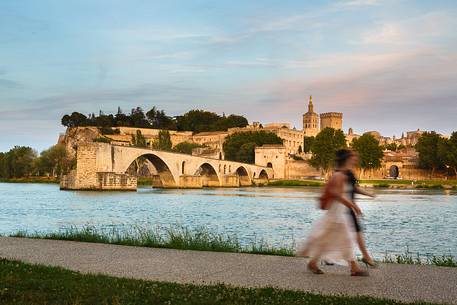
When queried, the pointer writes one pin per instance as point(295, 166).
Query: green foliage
point(325, 146)
point(53, 161)
point(186, 147)
point(194, 120)
point(240, 145)
point(391, 146)
point(164, 141)
point(159, 120)
point(200, 120)
point(74, 120)
point(430, 154)
point(284, 183)
point(447, 152)
point(139, 140)
point(370, 152)
point(102, 140)
point(177, 237)
point(307, 144)
point(17, 162)
point(109, 131)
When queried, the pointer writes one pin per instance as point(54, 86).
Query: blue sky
point(387, 65)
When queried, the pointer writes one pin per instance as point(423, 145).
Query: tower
point(310, 120)
point(332, 119)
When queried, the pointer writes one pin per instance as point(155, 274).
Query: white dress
point(333, 236)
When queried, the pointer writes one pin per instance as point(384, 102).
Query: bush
point(102, 140)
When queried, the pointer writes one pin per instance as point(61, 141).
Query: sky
point(387, 65)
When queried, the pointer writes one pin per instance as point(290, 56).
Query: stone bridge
point(103, 166)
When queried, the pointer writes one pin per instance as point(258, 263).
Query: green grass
point(27, 284)
point(410, 258)
point(172, 238)
point(30, 180)
point(203, 240)
point(295, 183)
point(144, 181)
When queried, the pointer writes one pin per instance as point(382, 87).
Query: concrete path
point(401, 282)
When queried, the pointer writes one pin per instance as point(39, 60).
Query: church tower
point(310, 120)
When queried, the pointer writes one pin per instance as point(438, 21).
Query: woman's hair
point(342, 156)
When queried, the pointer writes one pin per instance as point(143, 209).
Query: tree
point(429, 156)
point(240, 146)
point(452, 156)
point(53, 161)
point(186, 147)
point(370, 152)
point(197, 121)
point(224, 123)
point(139, 140)
point(17, 162)
point(164, 141)
point(74, 120)
point(307, 144)
point(391, 146)
point(447, 152)
point(138, 119)
point(324, 148)
point(159, 120)
point(200, 121)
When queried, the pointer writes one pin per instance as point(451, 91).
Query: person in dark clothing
point(341, 156)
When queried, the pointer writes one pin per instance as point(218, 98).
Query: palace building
point(314, 123)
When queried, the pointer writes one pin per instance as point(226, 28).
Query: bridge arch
point(163, 176)
point(209, 175)
point(243, 175)
point(263, 174)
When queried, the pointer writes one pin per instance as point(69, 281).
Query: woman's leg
point(362, 247)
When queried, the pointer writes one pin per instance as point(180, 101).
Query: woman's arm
point(361, 191)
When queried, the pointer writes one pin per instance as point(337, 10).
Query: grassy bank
point(171, 238)
point(381, 183)
point(411, 184)
point(30, 180)
point(295, 183)
point(27, 284)
point(204, 240)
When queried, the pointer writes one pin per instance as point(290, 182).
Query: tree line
point(437, 152)
point(193, 120)
point(434, 151)
point(23, 161)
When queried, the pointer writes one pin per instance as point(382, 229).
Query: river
point(421, 220)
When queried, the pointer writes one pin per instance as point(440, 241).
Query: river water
point(422, 221)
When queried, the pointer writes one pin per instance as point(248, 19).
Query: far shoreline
point(377, 184)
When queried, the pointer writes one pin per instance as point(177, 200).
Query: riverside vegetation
point(27, 284)
point(204, 240)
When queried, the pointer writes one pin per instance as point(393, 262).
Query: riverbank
point(32, 179)
point(181, 238)
point(252, 274)
point(381, 183)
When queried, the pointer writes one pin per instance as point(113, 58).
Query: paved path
point(400, 282)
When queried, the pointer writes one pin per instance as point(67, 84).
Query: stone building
point(332, 119)
point(310, 120)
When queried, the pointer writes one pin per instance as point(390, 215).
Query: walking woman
point(333, 236)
